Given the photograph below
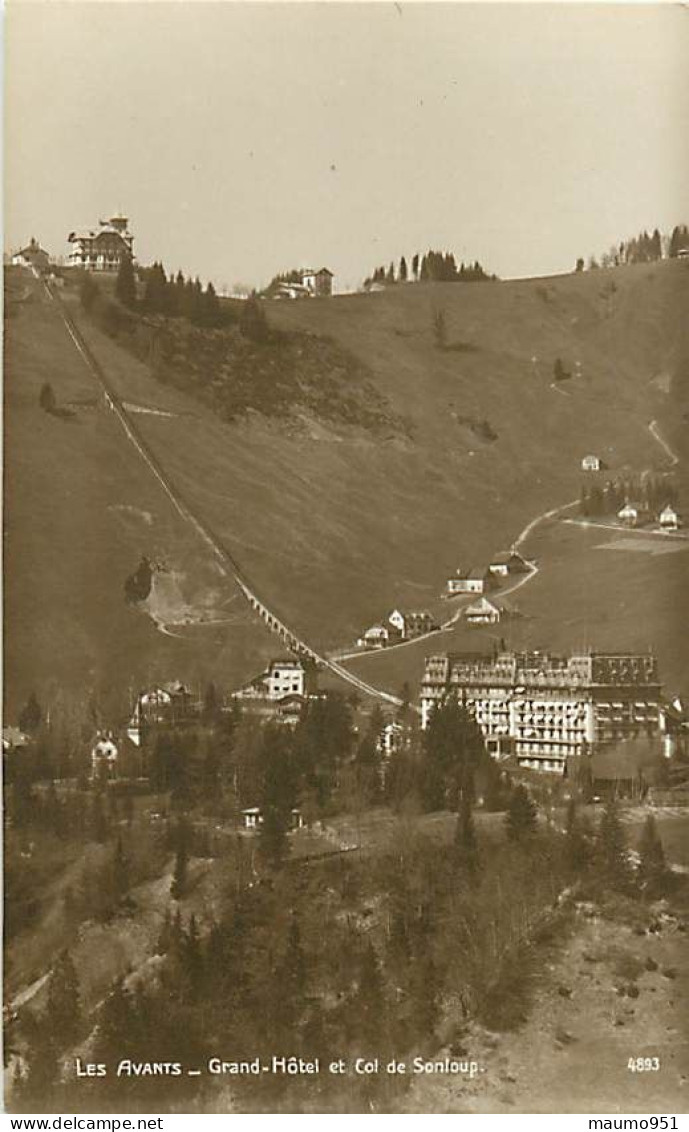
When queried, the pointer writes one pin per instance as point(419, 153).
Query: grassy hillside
point(334, 522)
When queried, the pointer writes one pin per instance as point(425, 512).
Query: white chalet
point(669, 519)
point(591, 464)
point(103, 756)
point(502, 565)
point(398, 622)
point(470, 582)
point(484, 612)
point(633, 514)
point(376, 637)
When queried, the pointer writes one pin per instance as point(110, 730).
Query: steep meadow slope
point(334, 522)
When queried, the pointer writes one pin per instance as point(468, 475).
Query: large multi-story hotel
point(104, 249)
point(542, 709)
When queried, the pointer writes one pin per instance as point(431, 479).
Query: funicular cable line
point(275, 623)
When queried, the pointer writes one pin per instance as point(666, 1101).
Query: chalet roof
point(483, 605)
point(33, 247)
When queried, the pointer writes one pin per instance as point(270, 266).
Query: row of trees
point(643, 248)
point(433, 267)
point(173, 296)
point(651, 492)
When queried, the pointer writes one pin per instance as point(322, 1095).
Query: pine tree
point(370, 1003)
point(465, 844)
point(116, 1024)
point(253, 323)
point(576, 845)
point(120, 873)
point(63, 1010)
point(179, 876)
point(402, 274)
point(47, 399)
point(653, 871)
point(439, 329)
point(611, 850)
point(211, 705)
point(415, 266)
point(191, 956)
point(125, 287)
point(165, 934)
point(559, 371)
point(521, 815)
point(31, 715)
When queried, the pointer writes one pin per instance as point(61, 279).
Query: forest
point(388, 950)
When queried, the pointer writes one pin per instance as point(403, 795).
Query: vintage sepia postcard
point(346, 559)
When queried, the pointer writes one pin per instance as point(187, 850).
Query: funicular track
point(227, 560)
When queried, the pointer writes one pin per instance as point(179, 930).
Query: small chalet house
point(319, 283)
point(101, 250)
point(33, 255)
point(591, 464)
point(470, 582)
point(376, 637)
point(502, 565)
point(669, 519)
point(103, 757)
point(633, 515)
point(397, 623)
point(484, 612)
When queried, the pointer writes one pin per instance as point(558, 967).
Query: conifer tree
point(47, 399)
point(165, 934)
point(31, 715)
point(521, 815)
point(125, 286)
point(653, 871)
point(465, 844)
point(63, 1009)
point(253, 323)
point(576, 845)
point(120, 872)
point(611, 849)
point(179, 876)
point(402, 274)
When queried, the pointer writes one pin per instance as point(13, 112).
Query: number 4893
point(643, 1064)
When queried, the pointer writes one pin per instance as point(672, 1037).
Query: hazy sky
point(244, 139)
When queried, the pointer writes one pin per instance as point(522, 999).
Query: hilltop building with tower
point(101, 249)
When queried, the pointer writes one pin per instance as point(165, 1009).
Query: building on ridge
point(101, 249)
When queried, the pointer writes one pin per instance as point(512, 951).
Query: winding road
point(228, 561)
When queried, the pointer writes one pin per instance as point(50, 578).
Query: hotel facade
point(542, 709)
